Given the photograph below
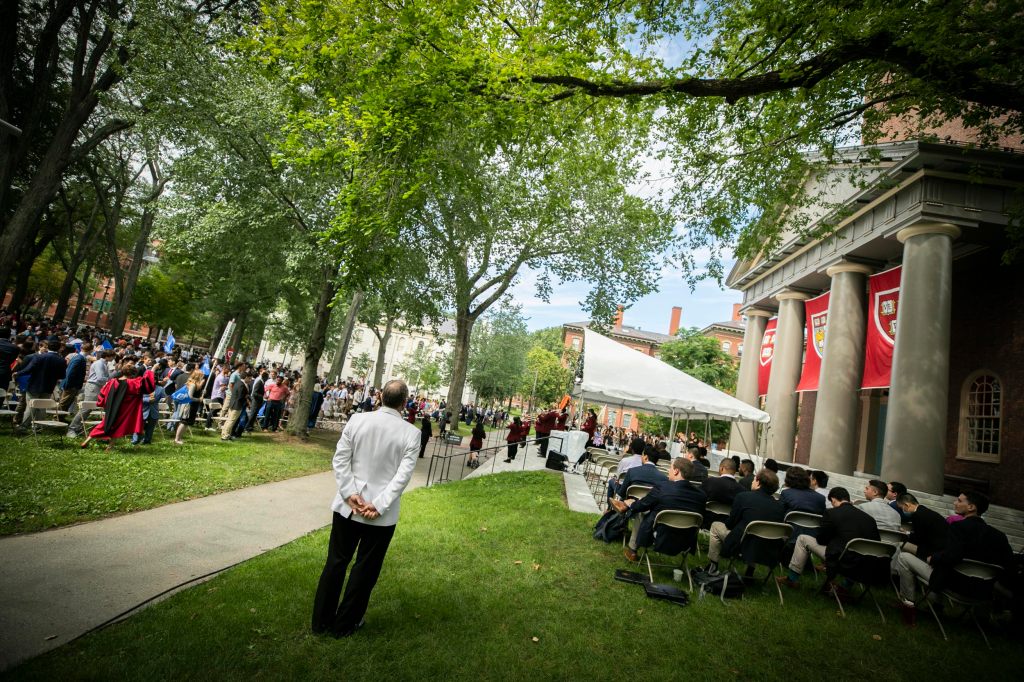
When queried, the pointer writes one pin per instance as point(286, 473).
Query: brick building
point(728, 333)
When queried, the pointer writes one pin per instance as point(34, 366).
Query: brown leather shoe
point(630, 554)
point(786, 582)
point(618, 505)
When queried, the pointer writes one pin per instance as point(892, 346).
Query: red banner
point(764, 367)
point(883, 306)
point(816, 314)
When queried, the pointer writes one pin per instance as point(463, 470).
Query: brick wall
point(987, 332)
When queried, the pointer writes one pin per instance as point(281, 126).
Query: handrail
point(443, 460)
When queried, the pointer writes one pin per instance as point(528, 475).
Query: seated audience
point(895, 490)
point(723, 488)
point(746, 472)
point(819, 484)
point(929, 531)
point(798, 496)
point(675, 493)
point(970, 538)
point(700, 472)
point(645, 474)
point(840, 524)
point(755, 505)
point(885, 516)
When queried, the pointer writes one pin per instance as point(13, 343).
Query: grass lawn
point(494, 578)
point(46, 483)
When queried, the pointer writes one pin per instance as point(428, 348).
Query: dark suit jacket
point(805, 500)
point(722, 489)
point(747, 481)
point(971, 538)
point(645, 474)
point(841, 524)
point(44, 370)
point(700, 472)
point(753, 505)
point(930, 531)
point(666, 494)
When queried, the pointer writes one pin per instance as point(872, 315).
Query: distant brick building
point(729, 333)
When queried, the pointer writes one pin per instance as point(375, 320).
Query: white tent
point(618, 375)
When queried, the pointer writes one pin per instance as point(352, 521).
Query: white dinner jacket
point(375, 458)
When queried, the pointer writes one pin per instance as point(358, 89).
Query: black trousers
point(512, 449)
point(348, 536)
point(542, 442)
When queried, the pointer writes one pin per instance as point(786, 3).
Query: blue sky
point(706, 304)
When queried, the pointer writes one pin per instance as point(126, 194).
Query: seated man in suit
point(723, 488)
point(700, 472)
point(755, 505)
point(645, 474)
point(970, 538)
point(674, 493)
point(798, 496)
point(840, 524)
point(746, 474)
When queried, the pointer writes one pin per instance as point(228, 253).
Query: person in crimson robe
point(121, 402)
point(589, 426)
point(563, 418)
point(545, 423)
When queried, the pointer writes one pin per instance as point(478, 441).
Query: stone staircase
point(1010, 521)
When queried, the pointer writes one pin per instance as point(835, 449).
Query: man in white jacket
point(374, 461)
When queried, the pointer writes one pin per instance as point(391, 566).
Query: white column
point(915, 446)
point(781, 402)
point(743, 435)
point(834, 438)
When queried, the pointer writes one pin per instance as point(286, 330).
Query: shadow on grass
point(476, 571)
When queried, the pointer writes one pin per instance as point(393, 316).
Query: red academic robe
point(128, 418)
point(589, 425)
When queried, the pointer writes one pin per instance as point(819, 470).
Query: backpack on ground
point(611, 527)
point(712, 584)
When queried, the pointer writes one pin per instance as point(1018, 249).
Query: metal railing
point(441, 462)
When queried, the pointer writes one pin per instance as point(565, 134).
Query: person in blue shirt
point(74, 379)
point(150, 415)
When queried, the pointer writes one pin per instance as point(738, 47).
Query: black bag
point(611, 527)
point(669, 593)
point(631, 577)
point(712, 584)
point(556, 461)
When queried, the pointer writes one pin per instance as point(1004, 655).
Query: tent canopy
point(618, 375)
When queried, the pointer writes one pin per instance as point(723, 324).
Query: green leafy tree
point(545, 379)
point(702, 358)
point(361, 365)
point(496, 361)
point(550, 339)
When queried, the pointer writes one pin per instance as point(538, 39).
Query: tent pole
point(672, 426)
point(686, 431)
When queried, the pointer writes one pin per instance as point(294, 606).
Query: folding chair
point(89, 405)
point(49, 407)
point(715, 511)
point(639, 491)
point(761, 545)
point(4, 412)
point(867, 562)
point(975, 583)
point(893, 537)
point(212, 408)
point(804, 523)
point(675, 533)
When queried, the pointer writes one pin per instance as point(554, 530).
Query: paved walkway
point(59, 584)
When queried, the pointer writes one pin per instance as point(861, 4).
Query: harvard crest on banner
point(816, 314)
point(767, 352)
point(883, 310)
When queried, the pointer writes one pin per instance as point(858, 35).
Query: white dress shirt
point(375, 458)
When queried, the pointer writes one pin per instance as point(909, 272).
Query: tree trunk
point(460, 362)
point(64, 299)
point(23, 226)
point(82, 285)
point(346, 336)
point(314, 350)
point(124, 298)
point(382, 349)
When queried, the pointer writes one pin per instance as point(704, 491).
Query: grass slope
point(453, 602)
point(46, 483)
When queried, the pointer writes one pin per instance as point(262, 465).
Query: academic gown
point(121, 401)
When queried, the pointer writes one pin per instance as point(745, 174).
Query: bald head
point(395, 394)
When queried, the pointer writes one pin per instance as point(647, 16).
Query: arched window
point(981, 403)
point(726, 346)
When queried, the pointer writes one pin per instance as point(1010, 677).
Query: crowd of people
point(932, 547)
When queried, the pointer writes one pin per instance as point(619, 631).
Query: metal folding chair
point(684, 524)
point(867, 562)
point(976, 582)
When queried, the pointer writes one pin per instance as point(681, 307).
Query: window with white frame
point(575, 343)
point(626, 419)
point(726, 346)
point(981, 402)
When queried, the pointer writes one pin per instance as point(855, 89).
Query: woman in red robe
point(121, 401)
